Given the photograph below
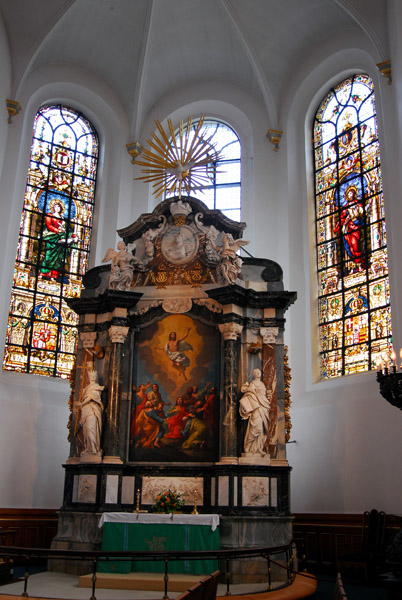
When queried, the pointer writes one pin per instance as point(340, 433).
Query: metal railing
point(283, 561)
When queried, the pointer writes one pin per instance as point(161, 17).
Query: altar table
point(152, 532)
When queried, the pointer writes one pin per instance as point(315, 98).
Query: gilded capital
point(386, 70)
point(269, 334)
point(118, 334)
point(274, 136)
point(230, 331)
point(13, 109)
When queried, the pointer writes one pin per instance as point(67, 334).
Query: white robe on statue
point(254, 406)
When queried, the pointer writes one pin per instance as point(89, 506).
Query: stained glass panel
point(353, 306)
point(53, 245)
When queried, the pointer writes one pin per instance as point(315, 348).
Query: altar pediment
point(181, 242)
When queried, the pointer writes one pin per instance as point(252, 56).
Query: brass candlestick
point(137, 508)
point(195, 511)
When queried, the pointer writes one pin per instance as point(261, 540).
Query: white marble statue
point(90, 415)
point(230, 267)
point(148, 242)
point(254, 406)
point(122, 267)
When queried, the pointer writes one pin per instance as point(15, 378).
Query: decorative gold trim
point(288, 402)
point(385, 70)
point(13, 108)
point(181, 161)
point(134, 149)
point(274, 136)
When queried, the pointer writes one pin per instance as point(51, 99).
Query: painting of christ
point(175, 400)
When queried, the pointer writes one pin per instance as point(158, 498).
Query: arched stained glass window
point(353, 287)
point(53, 245)
point(224, 190)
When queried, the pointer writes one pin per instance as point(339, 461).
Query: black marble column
point(111, 439)
point(228, 429)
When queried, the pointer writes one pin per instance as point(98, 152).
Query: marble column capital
point(231, 330)
point(118, 334)
point(269, 334)
point(88, 339)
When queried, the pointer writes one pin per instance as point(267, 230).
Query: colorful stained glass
point(53, 245)
point(353, 305)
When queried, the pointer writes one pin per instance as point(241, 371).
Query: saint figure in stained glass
point(53, 245)
point(350, 226)
point(58, 236)
point(354, 310)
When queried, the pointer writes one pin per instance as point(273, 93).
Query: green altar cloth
point(160, 533)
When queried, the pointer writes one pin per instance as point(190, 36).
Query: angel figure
point(230, 267)
point(122, 267)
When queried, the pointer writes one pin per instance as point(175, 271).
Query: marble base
point(76, 531)
point(279, 462)
point(254, 532)
point(112, 460)
point(91, 457)
point(247, 458)
point(228, 460)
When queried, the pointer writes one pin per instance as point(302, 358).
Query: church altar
point(159, 532)
point(181, 383)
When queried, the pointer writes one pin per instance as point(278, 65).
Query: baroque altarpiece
point(180, 340)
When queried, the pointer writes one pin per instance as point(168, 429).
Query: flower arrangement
point(168, 501)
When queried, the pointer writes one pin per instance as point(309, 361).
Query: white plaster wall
point(5, 85)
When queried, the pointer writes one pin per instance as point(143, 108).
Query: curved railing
point(280, 557)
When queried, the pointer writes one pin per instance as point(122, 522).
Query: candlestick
point(393, 361)
point(195, 511)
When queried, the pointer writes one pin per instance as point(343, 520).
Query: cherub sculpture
point(122, 267)
point(230, 266)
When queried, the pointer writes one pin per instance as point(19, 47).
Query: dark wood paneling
point(35, 527)
point(320, 538)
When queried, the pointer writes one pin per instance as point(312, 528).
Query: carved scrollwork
point(288, 402)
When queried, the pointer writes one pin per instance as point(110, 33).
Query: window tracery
point(353, 286)
point(53, 244)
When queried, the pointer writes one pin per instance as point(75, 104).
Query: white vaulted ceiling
point(144, 49)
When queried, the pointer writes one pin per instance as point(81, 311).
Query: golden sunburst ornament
point(179, 161)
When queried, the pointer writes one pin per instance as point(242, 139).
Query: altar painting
point(175, 399)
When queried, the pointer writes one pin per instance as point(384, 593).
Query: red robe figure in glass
point(351, 227)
